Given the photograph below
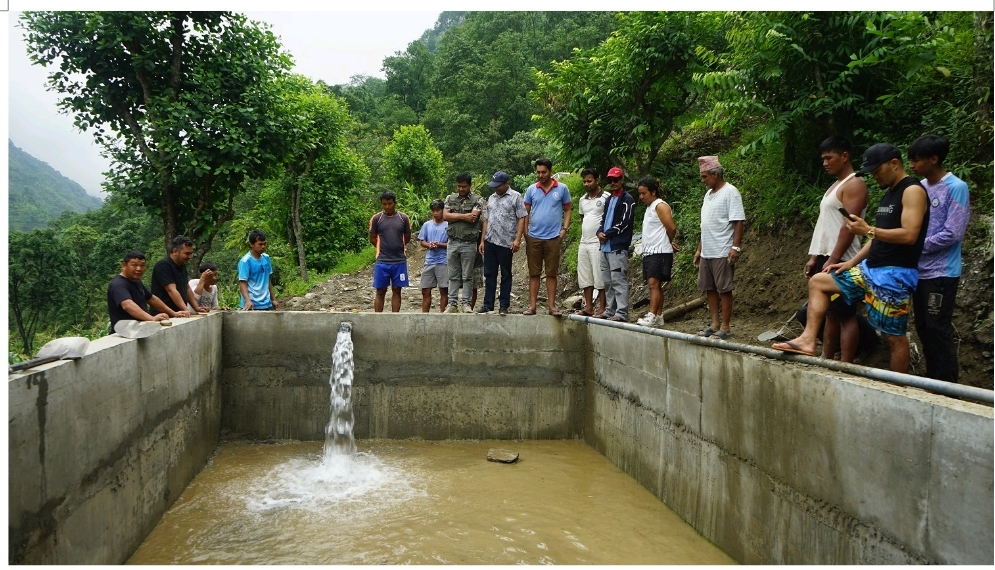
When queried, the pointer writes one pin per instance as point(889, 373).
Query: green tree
point(41, 279)
point(314, 123)
point(807, 75)
point(181, 102)
point(409, 75)
point(412, 158)
point(617, 103)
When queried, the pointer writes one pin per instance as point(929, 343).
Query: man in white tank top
point(833, 243)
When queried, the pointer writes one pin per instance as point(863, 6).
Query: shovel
point(129, 328)
point(777, 335)
point(71, 348)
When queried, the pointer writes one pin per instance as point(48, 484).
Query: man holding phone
point(833, 243)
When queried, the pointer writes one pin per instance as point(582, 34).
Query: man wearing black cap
point(885, 272)
point(504, 225)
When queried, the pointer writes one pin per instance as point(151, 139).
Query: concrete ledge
point(99, 448)
point(789, 464)
point(424, 375)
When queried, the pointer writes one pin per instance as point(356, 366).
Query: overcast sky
point(331, 46)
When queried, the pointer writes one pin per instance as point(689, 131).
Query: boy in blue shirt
point(433, 237)
point(254, 270)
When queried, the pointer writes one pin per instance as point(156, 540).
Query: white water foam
point(344, 483)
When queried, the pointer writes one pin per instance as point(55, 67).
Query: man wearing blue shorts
point(390, 231)
point(885, 272)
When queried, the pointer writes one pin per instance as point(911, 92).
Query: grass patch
point(355, 261)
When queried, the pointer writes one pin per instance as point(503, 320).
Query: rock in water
point(502, 455)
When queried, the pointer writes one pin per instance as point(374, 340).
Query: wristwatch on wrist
point(737, 249)
point(870, 233)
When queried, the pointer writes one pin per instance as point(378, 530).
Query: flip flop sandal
point(600, 316)
point(529, 312)
point(616, 319)
point(794, 348)
point(721, 335)
point(706, 332)
point(555, 313)
point(583, 313)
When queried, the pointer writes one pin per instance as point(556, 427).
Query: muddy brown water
point(420, 502)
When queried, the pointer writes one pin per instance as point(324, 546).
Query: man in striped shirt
point(722, 218)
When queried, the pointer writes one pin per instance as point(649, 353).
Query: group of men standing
point(911, 258)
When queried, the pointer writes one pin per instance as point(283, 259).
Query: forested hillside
point(232, 140)
point(38, 193)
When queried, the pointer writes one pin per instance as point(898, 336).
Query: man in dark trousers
point(885, 272)
point(939, 266)
point(169, 278)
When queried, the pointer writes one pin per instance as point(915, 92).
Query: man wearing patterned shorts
point(884, 273)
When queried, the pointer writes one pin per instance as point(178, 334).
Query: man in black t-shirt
point(884, 274)
point(169, 278)
point(127, 296)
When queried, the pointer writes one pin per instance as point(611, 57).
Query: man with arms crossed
point(884, 273)
point(127, 296)
point(504, 225)
point(548, 205)
point(254, 271)
point(169, 277)
point(722, 218)
point(462, 211)
point(433, 237)
point(592, 208)
point(832, 243)
point(390, 231)
point(939, 265)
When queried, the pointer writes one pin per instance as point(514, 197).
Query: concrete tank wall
point(775, 462)
point(785, 463)
point(432, 376)
point(99, 448)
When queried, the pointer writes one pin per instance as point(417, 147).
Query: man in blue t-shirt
point(548, 205)
point(254, 270)
point(433, 237)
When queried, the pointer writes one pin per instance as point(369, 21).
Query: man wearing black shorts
point(833, 243)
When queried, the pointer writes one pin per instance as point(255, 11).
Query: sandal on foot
point(721, 335)
point(529, 312)
point(583, 313)
point(792, 347)
point(601, 316)
point(616, 319)
point(555, 313)
point(706, 332)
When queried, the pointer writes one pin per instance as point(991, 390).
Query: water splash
point(339, 440)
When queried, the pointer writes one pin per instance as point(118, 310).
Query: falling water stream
point(339, 440)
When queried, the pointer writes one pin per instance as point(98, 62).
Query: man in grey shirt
point(504, 225)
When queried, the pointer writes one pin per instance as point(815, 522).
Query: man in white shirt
point(592, 208)
point(722, 218)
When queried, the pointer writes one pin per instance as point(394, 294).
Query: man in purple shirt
point(939, 265)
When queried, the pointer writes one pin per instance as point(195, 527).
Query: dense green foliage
point(37, 193)
point(181, 102)
point(233, 144)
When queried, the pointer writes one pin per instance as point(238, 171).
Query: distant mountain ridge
point(38, 193)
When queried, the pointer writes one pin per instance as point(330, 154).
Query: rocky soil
point(769, 288)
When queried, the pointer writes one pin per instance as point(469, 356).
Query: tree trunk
point(295, 219)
